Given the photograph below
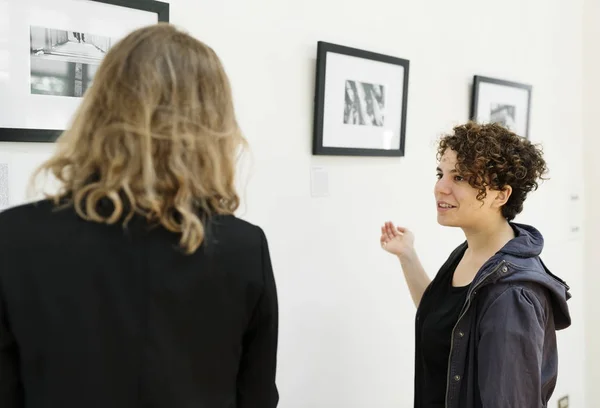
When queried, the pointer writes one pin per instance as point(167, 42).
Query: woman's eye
point(458, 178)
point(438, 176)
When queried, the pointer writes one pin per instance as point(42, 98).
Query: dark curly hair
point(492, 156)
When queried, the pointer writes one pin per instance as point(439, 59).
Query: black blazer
point(93, 315)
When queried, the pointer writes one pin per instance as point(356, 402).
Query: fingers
point(383, 240)
point(389, 231)
point(385, 236)
point(393, 231)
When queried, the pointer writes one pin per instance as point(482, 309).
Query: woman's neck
point(488, 239)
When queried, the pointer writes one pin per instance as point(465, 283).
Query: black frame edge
point(318, 116)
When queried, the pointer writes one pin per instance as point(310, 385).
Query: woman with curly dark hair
point(486, 325)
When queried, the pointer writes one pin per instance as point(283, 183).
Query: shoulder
point(234, 225)
point(505, 290)
point(237, 245)
point(234, 232)
point(26, 217)
point(443, 275)
point(449, 265)
point(26, 210)
point(526, 297)
point(38, 224)
point(525, 277)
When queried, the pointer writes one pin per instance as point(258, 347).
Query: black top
point(94, 316)
point(440, 310)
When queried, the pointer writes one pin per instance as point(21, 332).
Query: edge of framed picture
point(500, 101)
point(66, 40)
point(360, 102)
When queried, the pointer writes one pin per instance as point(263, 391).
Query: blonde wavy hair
point(156, 134)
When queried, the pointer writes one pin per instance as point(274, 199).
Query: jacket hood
point(523, 253)
point(528, 242)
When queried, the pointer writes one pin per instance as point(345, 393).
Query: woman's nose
point(442, 186)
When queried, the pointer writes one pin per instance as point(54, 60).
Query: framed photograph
point(360, 102)
point(49, 53)
point(504, 102)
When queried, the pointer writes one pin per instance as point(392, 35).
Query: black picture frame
point(480, 81)
point(323, 50)
point(50, 135)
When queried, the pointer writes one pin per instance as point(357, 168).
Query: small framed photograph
point(360, 102)
point(504, 102)
point(49, 53)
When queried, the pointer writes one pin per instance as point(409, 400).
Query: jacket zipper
point(465, 309)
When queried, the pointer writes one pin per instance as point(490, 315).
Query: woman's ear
point(502, 196)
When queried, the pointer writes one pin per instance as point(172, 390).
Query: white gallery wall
point(346, 318)
point(591, 113)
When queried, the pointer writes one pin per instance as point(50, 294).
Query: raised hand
point(400, 242)
point(396, 240)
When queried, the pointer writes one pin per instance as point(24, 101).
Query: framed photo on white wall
point(504, 102)
point(360, 102)
point(49, 53)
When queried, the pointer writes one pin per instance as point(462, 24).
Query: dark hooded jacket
point(503, 347)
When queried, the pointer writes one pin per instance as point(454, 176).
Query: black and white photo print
point(503, 114)
point(63, 63)
point(364, 104)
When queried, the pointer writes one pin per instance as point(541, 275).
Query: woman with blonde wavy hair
point(134, 284)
